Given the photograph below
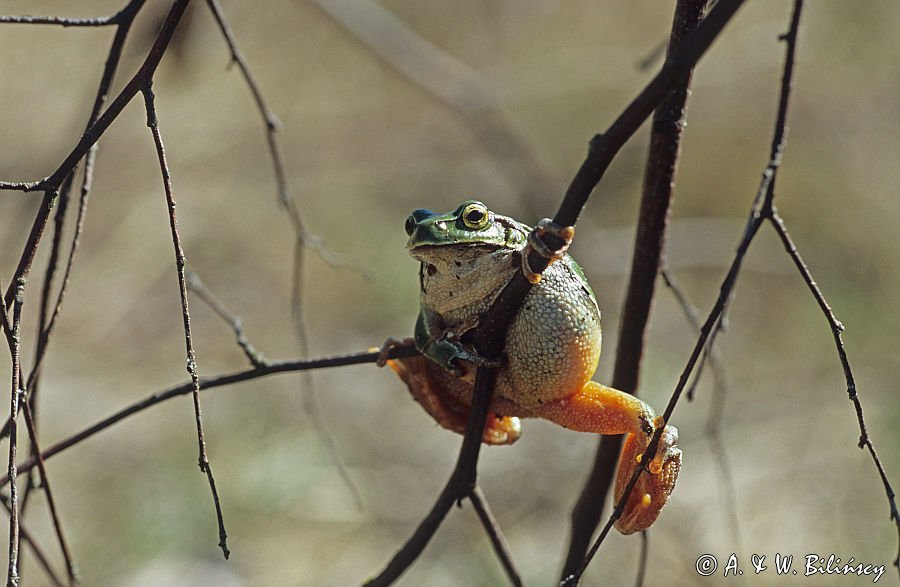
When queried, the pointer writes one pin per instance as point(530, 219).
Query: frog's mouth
point(461, 248)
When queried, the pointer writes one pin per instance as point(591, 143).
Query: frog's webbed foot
point(434, 390)
point(654, 486)
point(536, 244)
point(389, 344)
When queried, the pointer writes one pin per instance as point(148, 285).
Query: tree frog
point(552, 348)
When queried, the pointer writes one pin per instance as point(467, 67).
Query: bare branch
point(836, 329)
point(203, 458)
point(498, 540)
point(71, 569)
point(60, 21)
point(727, 287)
point(35, 547)
point(12, 574)
point(490, 336)
point(271, 368)
point(659, 181)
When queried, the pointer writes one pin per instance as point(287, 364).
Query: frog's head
point(471, 227)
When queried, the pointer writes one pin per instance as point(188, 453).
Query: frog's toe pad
point(652, 490)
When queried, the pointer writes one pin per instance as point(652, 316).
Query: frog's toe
point(652, 490)
point(501, 429)
point(391, 343)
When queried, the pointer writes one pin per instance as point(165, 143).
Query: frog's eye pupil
point(410, 225)
point(475, 216)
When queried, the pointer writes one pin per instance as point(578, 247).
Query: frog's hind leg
point(604, 410)
point(444, 406)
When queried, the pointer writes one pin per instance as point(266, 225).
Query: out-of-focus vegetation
point(363, 147)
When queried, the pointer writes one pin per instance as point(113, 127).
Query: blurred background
point(399, 105)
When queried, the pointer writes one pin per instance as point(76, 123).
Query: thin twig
point(462, 481)
point(12, 574)
point(71, 569)
point(196, 285)
point(836, 329)
point(642, 560)
point(42, 558)
point(713, 429)
point(656, 199)
point(727, 287)
point(206, 383)
point(93, 133)
point(273, 126)
point(61, 21)
point(304, 240)
point(203, 458)
point(498, 540)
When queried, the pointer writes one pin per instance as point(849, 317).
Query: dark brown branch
point(836, 329)
point(498, 540)
point(43, 561)
point(762, 202)
point(462, 482)
point(203, 457)
point(125, 19)
point(12, 574)
point(659, 180)
point(490, 336)
point(134, 85)
point(196, 285)
point(271, 368)
point(716, 414)
point(71, 570)
point(61, 21)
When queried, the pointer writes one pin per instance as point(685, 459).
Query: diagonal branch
point(490, 336)
point(763, 201)
point(203, 458)
point(836, 329)
point(659, 181)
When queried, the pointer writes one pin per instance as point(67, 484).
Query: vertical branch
point(39, 554)
point(659, 180)
point(203, 458)
point(303, 239)
point(761, 209)
point(51, 502)
point(12, 574)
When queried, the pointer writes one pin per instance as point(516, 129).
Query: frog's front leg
point(604, 410)
point(443, 346)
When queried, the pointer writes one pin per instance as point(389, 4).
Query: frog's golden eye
point(475, 216)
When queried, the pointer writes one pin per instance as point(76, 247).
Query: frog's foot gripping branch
point(653, 487)
point(536, 244)
point(604, 410)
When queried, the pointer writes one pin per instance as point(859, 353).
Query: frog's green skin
point(553, 344)
point(552, 348)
